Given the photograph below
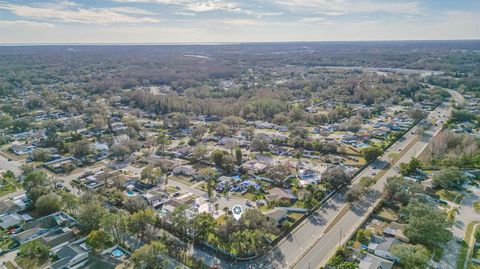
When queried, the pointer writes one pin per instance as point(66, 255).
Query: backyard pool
point(131, 193)
point(117, 253)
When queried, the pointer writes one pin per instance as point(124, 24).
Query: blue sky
point(174, 21)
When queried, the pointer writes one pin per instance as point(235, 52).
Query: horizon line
point(227, 42)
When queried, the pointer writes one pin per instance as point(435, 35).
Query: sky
point(199, 21)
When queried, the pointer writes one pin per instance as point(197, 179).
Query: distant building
point(22, 149)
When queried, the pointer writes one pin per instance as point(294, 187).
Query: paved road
point(466, 214)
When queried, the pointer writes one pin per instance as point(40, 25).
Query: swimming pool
point(131, 193)
point(117, 253)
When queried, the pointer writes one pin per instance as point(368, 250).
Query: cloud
point(341, 7)
point(185, 13)
point(22, 23)
point(262, 14)
point(131, 10)
point(203, 6)
point(315, 20)
point(193, 5)
point(68, 12)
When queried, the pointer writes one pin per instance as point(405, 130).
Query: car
point(249, 203)
point(175, 194)
point(374, 173)
point(177, 187)
point(59, 185)
point(9, 159)
point(261, 202)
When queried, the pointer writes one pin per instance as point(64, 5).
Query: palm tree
point(209, 175)
point(163, 140)
point(298, 155)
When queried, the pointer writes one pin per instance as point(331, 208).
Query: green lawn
point(476, 206)
point(6, 188)
point(437, 254)
point(31, 263)
point(472, 265)
point(202, 186)
point(6, 243)
point(387, 213)
point(450, 195)
point(462, 255)
point(464, 247)
point(295, 216)
point(9, 265)
point(181, 179)
point(476, 253)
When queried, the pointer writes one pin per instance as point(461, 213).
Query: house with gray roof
point(381, 247)
point(73, 255)
point(370, 261)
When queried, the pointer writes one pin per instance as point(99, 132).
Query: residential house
point(101, 148)
point(185, 170)
point(370, 261)
point(51, 227)
point(111, 258)
point(118, 126)
point(395, 230)
point(253, 167)
point(62, 165)
point(277, 215)
point(13, 220)
point(184, 200)
point(308, 176)
point(224, 183)
point(155, 197)
point(14, 204)
point(22, 149)
point(381, 247)
point(279, 194)
point(72, 255)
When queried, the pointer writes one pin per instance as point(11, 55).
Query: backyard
point(450, 195)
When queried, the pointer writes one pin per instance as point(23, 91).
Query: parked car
point(261, 202)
